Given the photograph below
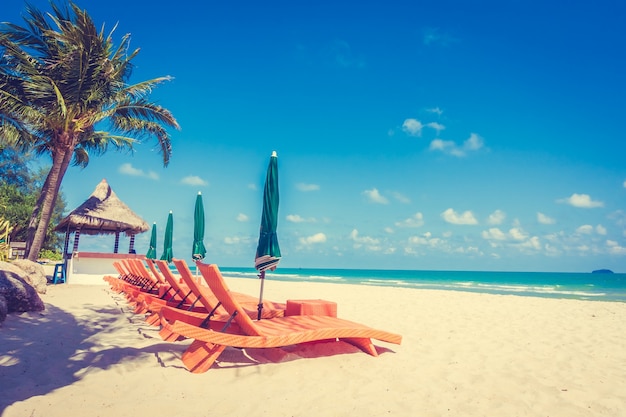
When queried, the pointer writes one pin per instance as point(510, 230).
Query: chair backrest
point(169, 276)
point(213, 277)
point(207, 299)
point(132, 271)
point(143, 272)
point(121, 269)
point(155, 271)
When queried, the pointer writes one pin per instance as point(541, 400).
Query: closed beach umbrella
point(198, 250)
point(167, 240)
point(268, 251)
point(151, 254)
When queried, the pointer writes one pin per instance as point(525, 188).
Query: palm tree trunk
point(49, 193)
point(34, 217)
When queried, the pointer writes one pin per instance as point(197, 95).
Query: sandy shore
point(462, 354)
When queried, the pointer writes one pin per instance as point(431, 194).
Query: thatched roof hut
point(102, 213)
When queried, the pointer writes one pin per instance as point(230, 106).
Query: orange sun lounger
point(212, 307)
point(183, 297)
point(266, 333)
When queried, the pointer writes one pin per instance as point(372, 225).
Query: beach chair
point(170, 292)
point(241, 331)
point(212, 307)
point(138, 284)
point(185, 299)
point(123, 281)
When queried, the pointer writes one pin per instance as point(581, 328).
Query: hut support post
point(131, 245)
point(117, 242)
point(76, 239)
point(66, 245)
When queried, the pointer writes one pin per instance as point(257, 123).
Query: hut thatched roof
point(103, 213)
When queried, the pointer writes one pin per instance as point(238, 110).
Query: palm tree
point(61, 82)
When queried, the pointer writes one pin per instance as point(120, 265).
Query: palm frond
point(60, 76)
point(142, 109)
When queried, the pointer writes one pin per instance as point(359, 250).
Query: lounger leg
point(140, 308)
point(200, 356)
point(153, 319)
point(363, 343)
point(168, 335)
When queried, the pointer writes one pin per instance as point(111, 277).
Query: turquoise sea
point(583, 286)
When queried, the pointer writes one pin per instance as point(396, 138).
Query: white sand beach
point(462, 354)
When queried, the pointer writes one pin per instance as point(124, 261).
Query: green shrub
point(52, 255)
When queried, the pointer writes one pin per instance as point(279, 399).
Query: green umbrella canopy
point(198, 250)
point(167, 240)
point(268, 251)
point(151, 254)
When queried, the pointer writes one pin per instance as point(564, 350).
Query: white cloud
point(434, 36)
point(235, 240)
point(544, 219)
point(375, 197)
point(518, 234)
point(494, 234)
point(412, 127)
point(619, 217)
point(401, 197)
point(624, 184)
point(354, 235)
point(532, 243)
point(437, 126)
point(497, 217)
point(472, 144)
point(435, 110)
point(615, 248)
point(368, 242)
point(341, 54)
point(588, 229)
point(583, 248)
point(128, 169)
point(442, 145)
point(316, 238)
point(252, 187)
point(307, 187)
point(451, 216)
point(416, 220)
point(242, 217)
point(296, 218)
point(515, 237)
point(426, 239)
point(194, 180)
point(581, 200)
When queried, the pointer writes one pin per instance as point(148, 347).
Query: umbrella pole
point(260, 307)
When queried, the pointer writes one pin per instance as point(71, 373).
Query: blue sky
point(483, 135)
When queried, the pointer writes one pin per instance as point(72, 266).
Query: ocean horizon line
point(594, 272)
point(578, 285)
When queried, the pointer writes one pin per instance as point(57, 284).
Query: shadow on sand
point(44, 351)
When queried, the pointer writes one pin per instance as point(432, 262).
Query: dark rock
point(16, 294)
point(4, 309)
point(602, 271)
point(35, 274)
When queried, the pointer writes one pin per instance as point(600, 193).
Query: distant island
point(602, 271)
